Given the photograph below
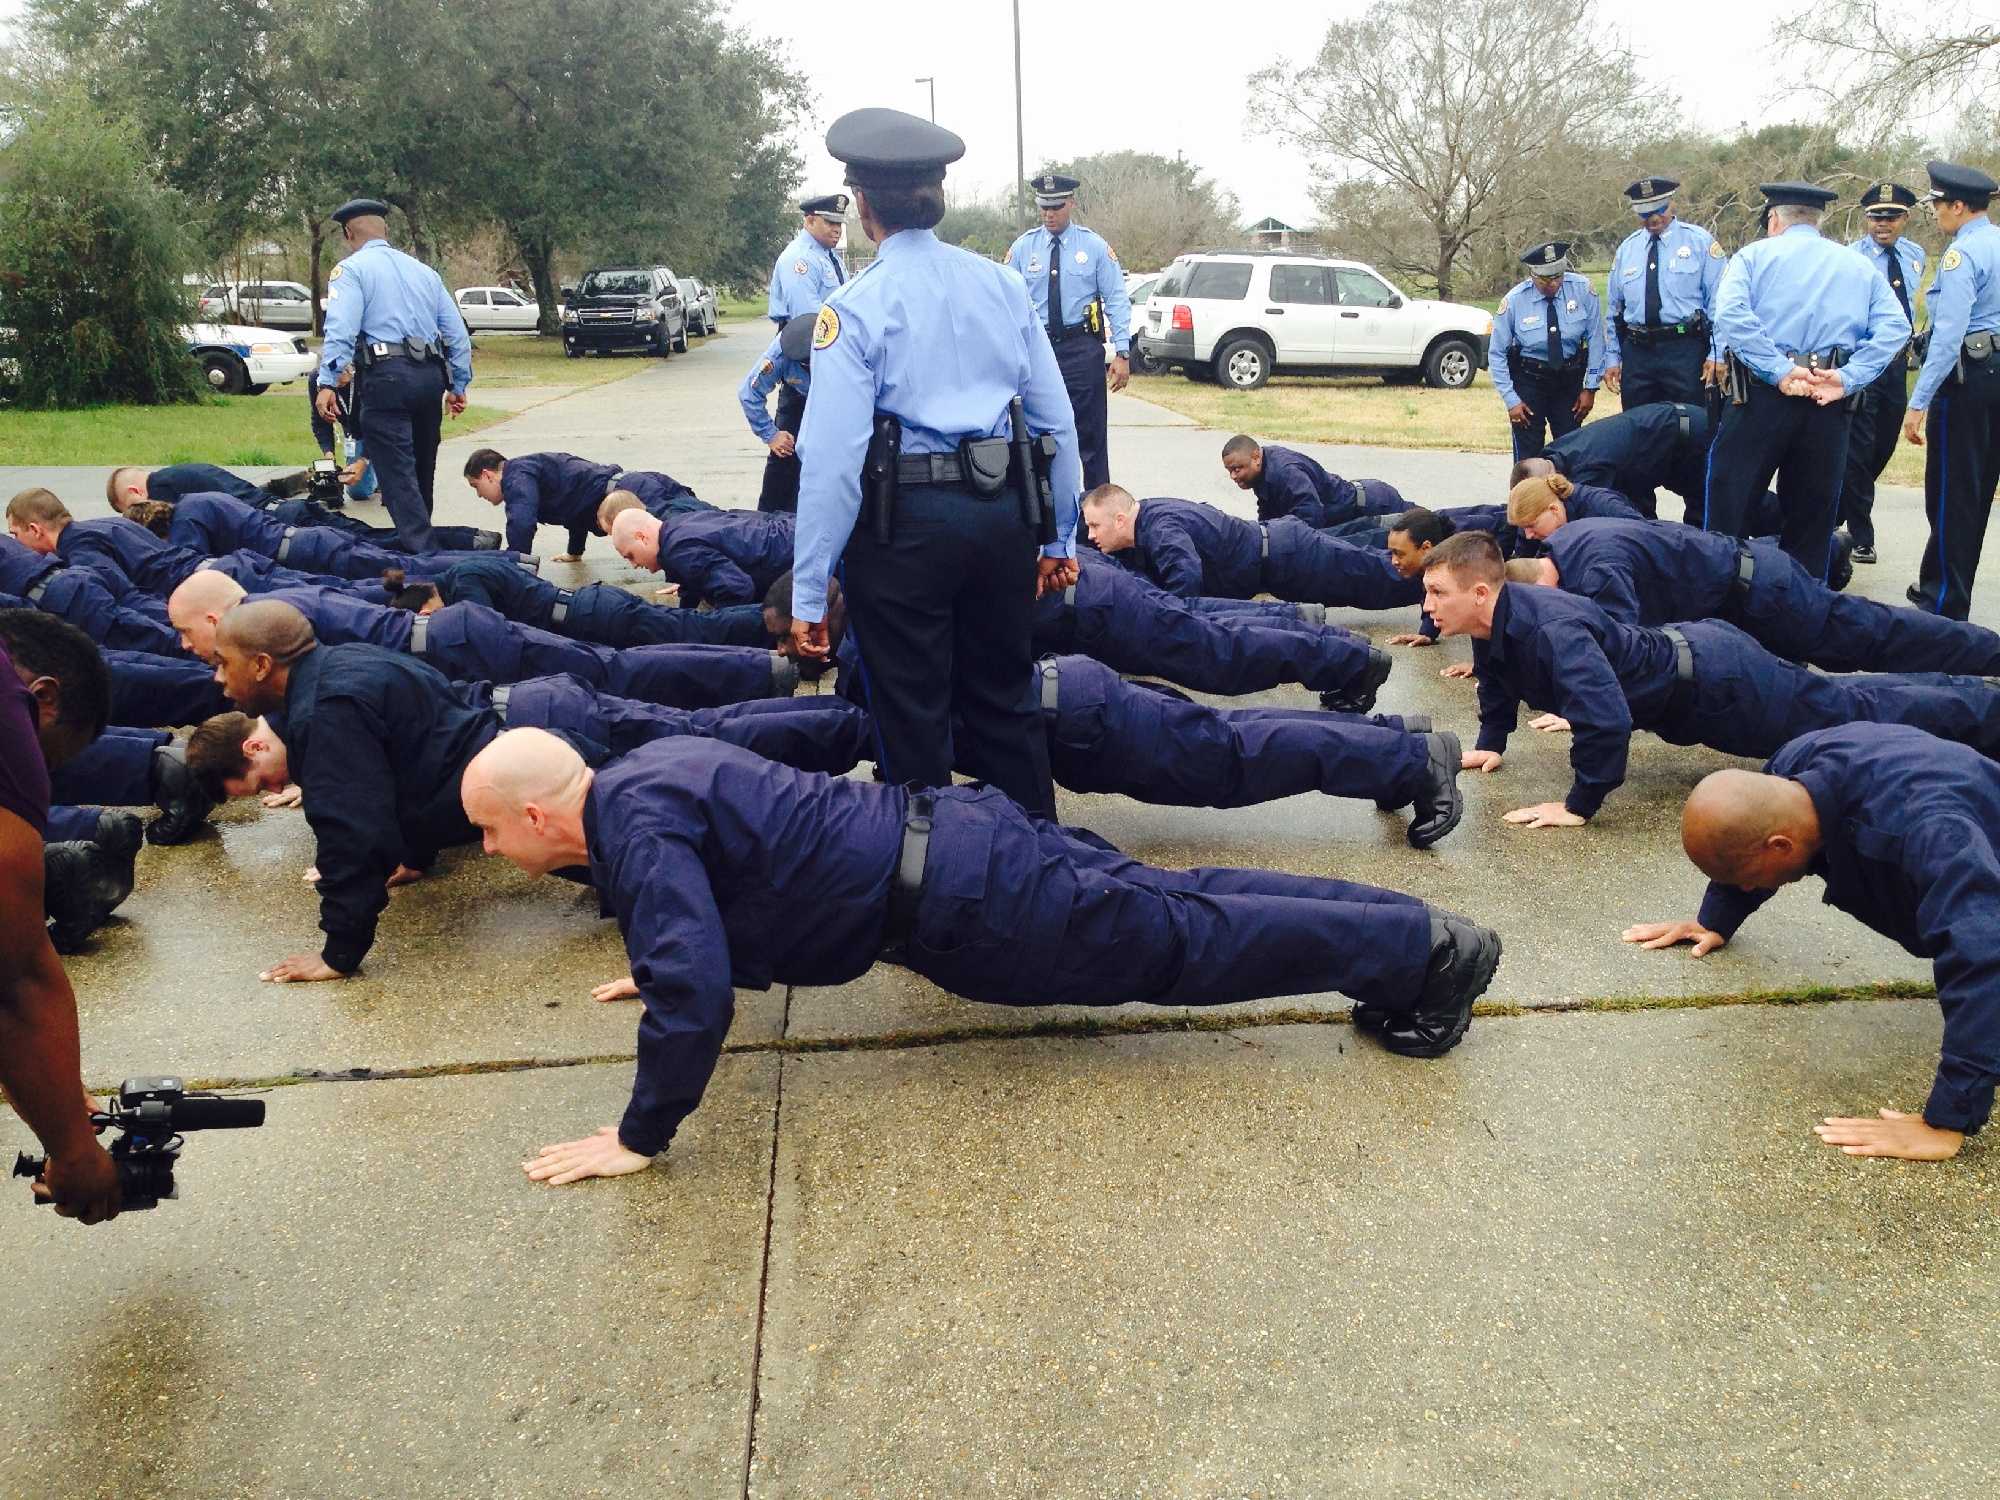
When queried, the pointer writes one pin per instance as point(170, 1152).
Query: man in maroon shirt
point(54, 698)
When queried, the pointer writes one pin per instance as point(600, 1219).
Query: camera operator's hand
point(82, 1183)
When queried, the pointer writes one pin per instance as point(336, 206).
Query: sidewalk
point(910, 1246)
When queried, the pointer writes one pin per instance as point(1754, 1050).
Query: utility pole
point(1020, 137)
point(933, 83)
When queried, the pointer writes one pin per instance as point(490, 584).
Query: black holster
point(1031, 460)
point(878, 476)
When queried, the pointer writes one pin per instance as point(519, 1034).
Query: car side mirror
point(1395, 302)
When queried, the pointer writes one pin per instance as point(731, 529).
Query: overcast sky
point(1169, 76)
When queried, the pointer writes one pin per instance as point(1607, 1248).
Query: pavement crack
point(764, 1270)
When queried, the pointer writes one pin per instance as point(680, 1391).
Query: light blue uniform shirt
point(770, 372)
point(1800, 292)
point(1965, 298)
point(943, 340)
point(380, 295)
point(1523, 320)
point(1089, 270)
point(803, 277)
point(1913, 258)
point(1690, 271)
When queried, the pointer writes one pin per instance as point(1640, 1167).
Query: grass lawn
point(504, 360)
point(1360, 409)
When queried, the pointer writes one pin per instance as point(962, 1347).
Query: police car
point(238, 360)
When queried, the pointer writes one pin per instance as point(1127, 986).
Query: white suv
point(1236, 316)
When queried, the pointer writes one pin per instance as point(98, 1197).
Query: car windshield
point(1141, 291)
point(616, 284)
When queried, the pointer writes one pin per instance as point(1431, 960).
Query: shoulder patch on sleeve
point(768, 368)
point(334, 274)
point(799, 267)
point(1952, 261)
point(1715, 250)
point(827, 329)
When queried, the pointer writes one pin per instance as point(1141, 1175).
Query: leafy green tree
point(92, 255)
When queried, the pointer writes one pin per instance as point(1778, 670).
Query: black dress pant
point(402, 412)
point(1961, 467)
point(780, 491)
point(1081, 358)
point(1665, 368)
point(1871, 443)
point(1804, 445)
point(1550, 396)
point(943, 617)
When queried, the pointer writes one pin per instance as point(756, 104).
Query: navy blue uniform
point(553, 489)
point(1128, 624)
point(726, 556)
point(127, 551)
point(662, 494)
point(1563, 654)
point(1639, 451)
point(157, 692)
point(114, 770)
point(1655, 572)
point(81, 596)
point(726, 870)
point(1294, 484)
point(1152, 744)
point(1907, 823)
point(300, 513)
point(216, 524)
point(178, 480)
point(1190, 550)
point(600, 613)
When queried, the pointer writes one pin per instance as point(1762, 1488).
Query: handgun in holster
point(878, 476)
point(1034, 460)
point(1738, 378)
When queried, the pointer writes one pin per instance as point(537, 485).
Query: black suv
point(626, 307)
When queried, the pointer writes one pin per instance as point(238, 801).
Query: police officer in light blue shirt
point(915, 364)
point(1806, 323)
point(784, 366)
point(810, 267)
point(1078, 291)
point(1955, 407)
point(1547, 350)
point(389, 316)
point(1878, 409)
point(1659, 303)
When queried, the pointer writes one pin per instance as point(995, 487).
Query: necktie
point(1055, 288)
point(1896, 282)
point(1555, 333)
point(838, 278)
point(1653, 283)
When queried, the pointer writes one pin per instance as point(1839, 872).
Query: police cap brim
point(356, 208)
point(888, 148)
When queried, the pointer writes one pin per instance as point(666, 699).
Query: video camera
point(149, 1114)
point(323, 482)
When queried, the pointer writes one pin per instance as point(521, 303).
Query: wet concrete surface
point(1583, 1255)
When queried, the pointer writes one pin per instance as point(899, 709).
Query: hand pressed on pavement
point(1544, 815)
point(599, 1154)
point(301, 968)
point(616, 989)
point(1479, 760)
point(1892, 1133)
point(1668, 934)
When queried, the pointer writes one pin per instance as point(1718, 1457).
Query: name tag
point(1531, 320)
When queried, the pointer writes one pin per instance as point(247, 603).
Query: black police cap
point(888, 148)
point(1651, 190)
point(832, 206)
point(355, 208)
point(795, 339)
point(1969, 185)
point(1887, 199)
point(1052, 189)
point(1551, 259)
point(1795, 195)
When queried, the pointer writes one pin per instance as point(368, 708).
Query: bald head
point(525, 792)
point(256, 645)
point(364, 227)
point(196, 608)
point(1747, 829)
point(635, 535)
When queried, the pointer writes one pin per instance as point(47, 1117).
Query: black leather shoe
point(1439, 804)
point(184, 805)
point(69, 870)
point(1840, 564)
point(1864, 555)
point(1916, 595)
point(1463, 958)
point(1359, 697)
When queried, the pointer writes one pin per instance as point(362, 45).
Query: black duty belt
point(1051, 684)
point(1075, 331)
point(1813, 359)
point(939, 468)
point(285, 543)
point(420, 634)
point(1683, 654)
point(560, 610)
point(401, 349)
point(1687, 328)
point(34, 595)
point(501, 694)
point(906, 886)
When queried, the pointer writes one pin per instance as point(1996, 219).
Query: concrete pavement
point(906, 1249)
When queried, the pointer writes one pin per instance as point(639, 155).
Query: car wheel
point(1135, 357)
point(681, 339)
point(1451, 364)
point(662, 345)
point(225, 374)
point(258, 390)
point(1243, 364)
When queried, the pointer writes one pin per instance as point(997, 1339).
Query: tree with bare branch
point(1882, 66)
point(1446, 104)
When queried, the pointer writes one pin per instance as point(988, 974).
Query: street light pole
point(933, 83)
point(1020, 150)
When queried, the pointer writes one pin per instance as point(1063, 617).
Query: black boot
point(1840, 562)
point(1359, 697)
point(1439, 804)
point(1463, 958)
point(119, 835)
point(69, 872)
point(184, 804)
